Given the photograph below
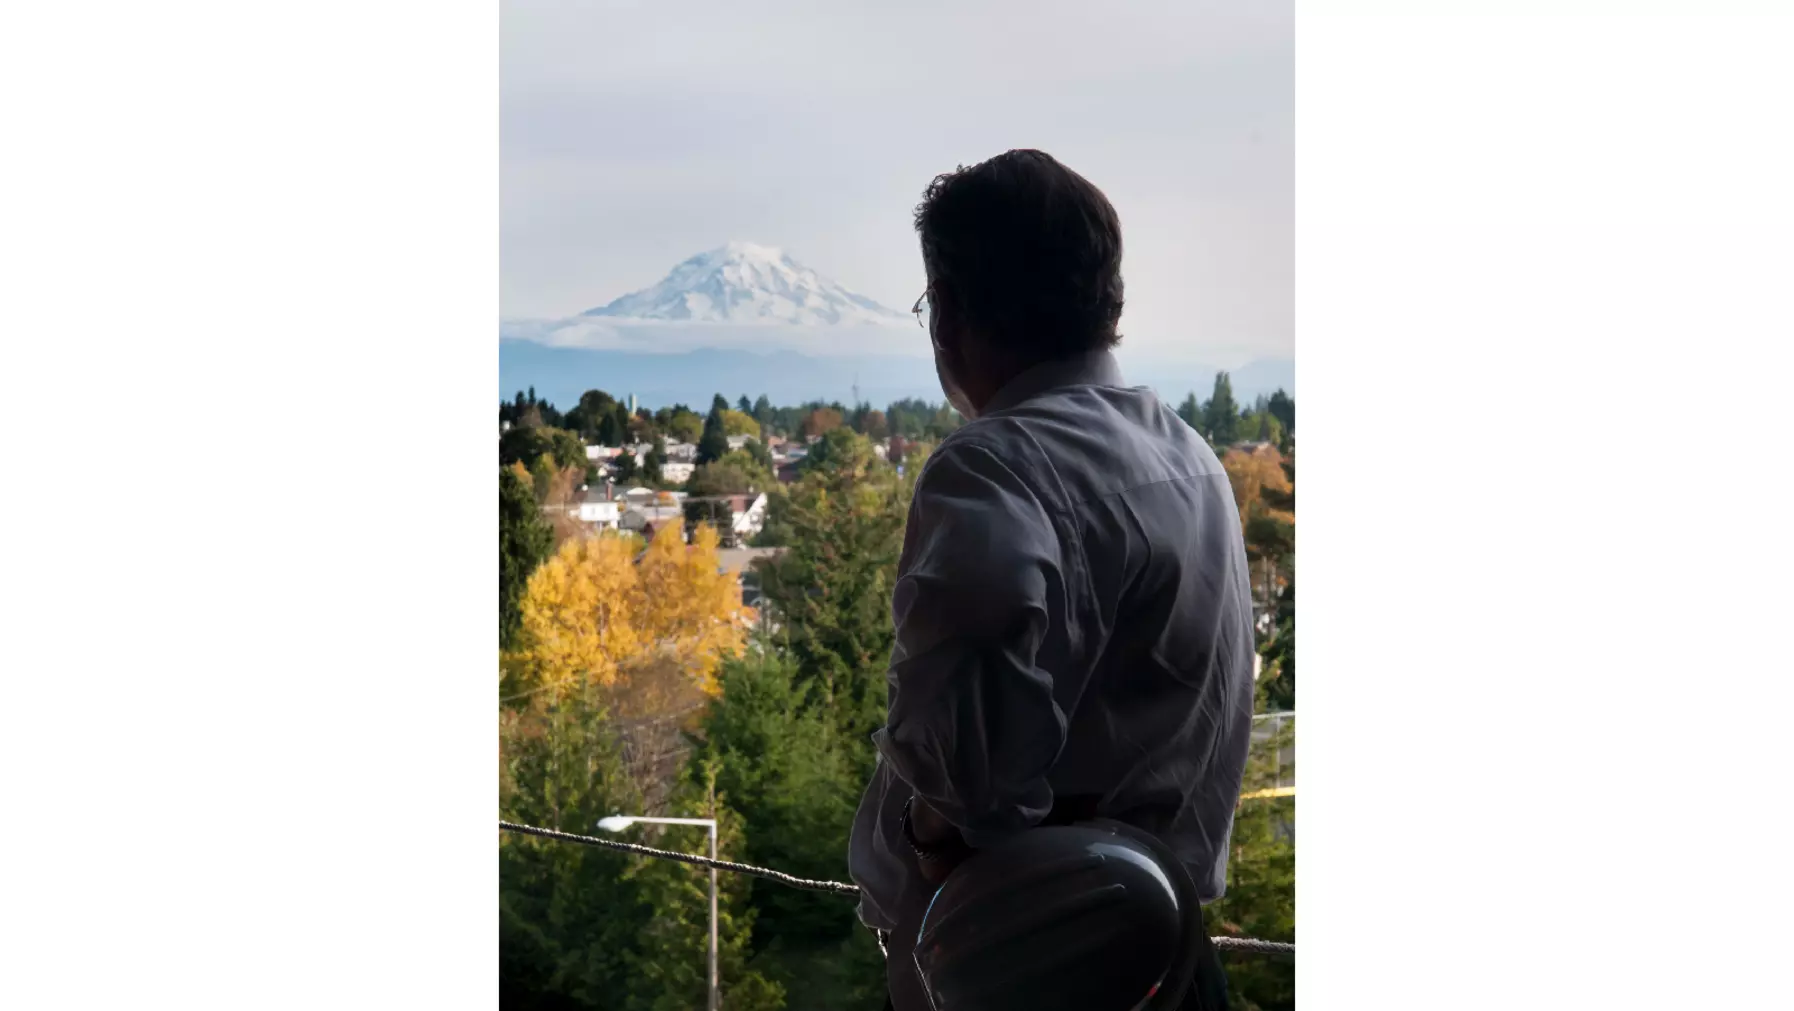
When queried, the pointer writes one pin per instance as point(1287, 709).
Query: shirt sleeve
point(973, 727)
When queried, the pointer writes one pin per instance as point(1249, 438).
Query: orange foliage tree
point(1263, 491)
point(602, 613)
point(1253, 473)
point(821, 421)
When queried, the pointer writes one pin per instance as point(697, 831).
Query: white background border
point(1543, 286)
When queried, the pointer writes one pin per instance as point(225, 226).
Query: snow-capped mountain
point(748, 283)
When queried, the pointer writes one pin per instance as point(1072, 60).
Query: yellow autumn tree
point(602, 612)
point(692, 607)
point(737, 423)
point(1252, 473)
point(578, 622)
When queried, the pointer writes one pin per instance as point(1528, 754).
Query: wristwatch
point(947, 850)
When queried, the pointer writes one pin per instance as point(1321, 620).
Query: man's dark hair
point(1027, 252)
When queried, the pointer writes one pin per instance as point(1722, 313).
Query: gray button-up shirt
point(1073, 619)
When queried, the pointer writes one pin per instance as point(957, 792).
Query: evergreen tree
point(1221, 416)
point(796, 783)
point(714, 442)
point(595, 409)
point(581, 927)
point(610, 428)
point(656, 458)
point(831, 588)
point(1191, 412)
point(567, 916)
point(946, 420)
point(1277, 681)
point(1283, 407)
point(1261, 881)
point(744, 405)
point(623, 467)
point(524, 540)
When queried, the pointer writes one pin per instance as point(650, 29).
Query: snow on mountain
point(748, 283)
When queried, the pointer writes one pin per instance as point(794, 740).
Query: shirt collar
point(1091, 368)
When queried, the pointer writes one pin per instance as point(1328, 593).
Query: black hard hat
point(1096, 916)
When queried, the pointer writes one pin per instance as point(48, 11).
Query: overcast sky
point(634, 135)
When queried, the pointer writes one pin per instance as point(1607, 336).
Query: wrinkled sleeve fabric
point(973, 726)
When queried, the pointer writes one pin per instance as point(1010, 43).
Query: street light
point(619, 822)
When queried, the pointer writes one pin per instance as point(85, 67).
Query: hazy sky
point(634, 135)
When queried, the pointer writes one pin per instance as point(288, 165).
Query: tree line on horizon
point(530, 425)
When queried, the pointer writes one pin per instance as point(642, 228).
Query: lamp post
point(618, 822)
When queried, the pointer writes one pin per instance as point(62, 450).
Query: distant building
point(677, 471)
point(737, 517)
point(751, 518)
point(740, 441)
point(600, 507)
point(647, 519)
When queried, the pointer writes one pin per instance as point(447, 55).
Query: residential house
point(646, 510)
point(737, 517)
point(787, 459)
point(599, 507)
point(647, 519)
point(681, 459)
point(750, 518)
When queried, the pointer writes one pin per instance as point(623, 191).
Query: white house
point(677, 471)
point(738, 441)
point(739, 517)
point(640, 496)
point(599, 507)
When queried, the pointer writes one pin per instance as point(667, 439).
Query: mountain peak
point(748, 251)
point(746, 282)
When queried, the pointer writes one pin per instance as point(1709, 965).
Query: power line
point(1221, 942)
point(837, 887)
